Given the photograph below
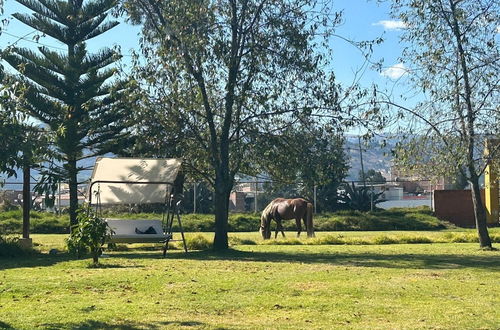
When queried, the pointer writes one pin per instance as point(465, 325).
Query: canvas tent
point(123, 181)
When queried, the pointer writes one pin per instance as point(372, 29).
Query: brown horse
point(286, 209)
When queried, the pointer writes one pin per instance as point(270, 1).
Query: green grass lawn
point(394, 286)
point(45, 242)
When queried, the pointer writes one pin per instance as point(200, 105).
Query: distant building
point(413, 182)
point(243, 196)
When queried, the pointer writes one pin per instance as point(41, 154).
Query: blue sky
point(363, 20)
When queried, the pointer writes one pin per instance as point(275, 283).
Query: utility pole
point(361, 159)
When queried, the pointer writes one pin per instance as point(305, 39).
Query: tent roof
point(132, 180)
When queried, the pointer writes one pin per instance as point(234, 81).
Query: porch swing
point(125, 181)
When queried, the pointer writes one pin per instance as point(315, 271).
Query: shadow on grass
point(487, 260)
point(131, 325)
point(36, 260)
point(45, 260)
point(386, 260)
point(4, 325)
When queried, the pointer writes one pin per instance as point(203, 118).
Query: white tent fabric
point(126, 173)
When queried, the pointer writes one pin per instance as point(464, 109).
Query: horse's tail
point(309, 220)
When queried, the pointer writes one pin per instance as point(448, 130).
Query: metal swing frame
point(170, 212)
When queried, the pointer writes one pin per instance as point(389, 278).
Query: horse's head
point(265, 226)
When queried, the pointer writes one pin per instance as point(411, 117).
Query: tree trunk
point(95, 258)
point(480, 215)
point(221, 215)
point(26, 200)
point(73, 191)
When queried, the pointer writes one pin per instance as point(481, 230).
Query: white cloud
point(498, 29)
point(391, 25)
point(395, 72)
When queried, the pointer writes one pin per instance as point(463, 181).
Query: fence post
point(59, 198)
point(432, 196)
point(255, 196)
point(315, 198)
point(371, 198)
point(194, 197)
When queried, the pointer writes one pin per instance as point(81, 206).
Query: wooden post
point(26, 241)
point(491, 197)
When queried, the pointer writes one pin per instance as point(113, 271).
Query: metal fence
point(251, 196)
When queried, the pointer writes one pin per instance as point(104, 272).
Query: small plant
point(9, 247)
point(198, 242)
point(330, 240)
point(383, 239)
point(415, 240)
point(360, 198)
point(88, 235)
point(241, 241)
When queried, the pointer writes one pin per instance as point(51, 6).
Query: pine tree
point(71, 91)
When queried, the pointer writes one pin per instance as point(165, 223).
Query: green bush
point(283, 241)
point(198, 242)
point(394, 219)
point(383, 239)
point(241, 241)
point(495, 238)
point(88, 235)
point(464, 238)
point(40, 222)
point(10, 248)
point(328, 240)
point(415, 240)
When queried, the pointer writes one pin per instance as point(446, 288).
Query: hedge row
point(394, 219)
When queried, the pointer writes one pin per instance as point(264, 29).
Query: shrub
point(357, 241)
point(383, 239)
point(415, 240)
point(495, 238)
point(243, 222)
point(49, 225)
point(328, 240)
point(88, 235)
point(9, 247)
point(198, 242)
point(241, 241)
point(360, 198)
point(464, 238)
point(394, 219)
point(284, 241)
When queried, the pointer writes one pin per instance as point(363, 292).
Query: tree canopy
point(220, 76)
point(454, 58)
point(72, 92)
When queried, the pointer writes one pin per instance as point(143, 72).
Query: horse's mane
point(266, 213)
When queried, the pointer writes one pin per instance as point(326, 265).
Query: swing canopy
point(117, 181)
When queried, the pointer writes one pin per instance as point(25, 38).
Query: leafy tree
point(70, 91)
point(222, 74)
point(372, 176)
point(88, 235)
point(312, 156)
point(452, 48)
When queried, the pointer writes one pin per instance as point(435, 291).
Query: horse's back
point(290, 208)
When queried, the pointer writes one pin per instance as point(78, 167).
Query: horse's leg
point(299, 226)
point(282, 229)
point(279, 227)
